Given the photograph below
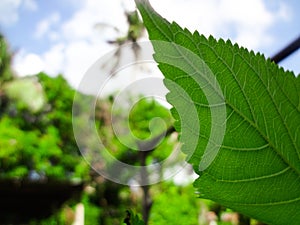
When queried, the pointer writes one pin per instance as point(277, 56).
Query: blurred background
point(45, 49)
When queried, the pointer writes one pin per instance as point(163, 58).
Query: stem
point(145, 149)
point(146, 201)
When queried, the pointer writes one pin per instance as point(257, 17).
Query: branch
point(288, 50)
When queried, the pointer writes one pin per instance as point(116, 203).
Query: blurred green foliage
point(132, 218)
point(37, 144)
point(148, 119)
point(24, 99)
point(174, 205)
point(6, 73)
point(37, 141)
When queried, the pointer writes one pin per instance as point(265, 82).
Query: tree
point(5, 61)
point(39, 143)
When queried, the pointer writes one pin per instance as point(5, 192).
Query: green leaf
point(133, 219)
point(34, 97)
point(238, 114)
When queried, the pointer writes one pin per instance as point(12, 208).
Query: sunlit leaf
point(254, 165)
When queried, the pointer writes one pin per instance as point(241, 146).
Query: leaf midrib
point(254, 125)
point(255, 204)
point(275, 106)
point(267, 203)
point(247, 99)
point(229, 104)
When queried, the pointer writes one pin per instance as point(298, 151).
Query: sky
point(61, 36)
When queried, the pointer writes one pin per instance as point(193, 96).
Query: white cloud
point(79, 56)
point(72, 60)
point(245, 13)
point(51, 61)
point(80, 43)
point(28, 64)
point(54, 59)
point(245, 22)
point(252, 21)
point(82, 24)
point(44, 26)
point(77, 43)
point(9, 10)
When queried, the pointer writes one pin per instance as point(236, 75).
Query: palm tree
point(134, 32)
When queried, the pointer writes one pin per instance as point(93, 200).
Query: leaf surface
point(215, 86)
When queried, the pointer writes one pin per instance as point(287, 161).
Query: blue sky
point(59, 36)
